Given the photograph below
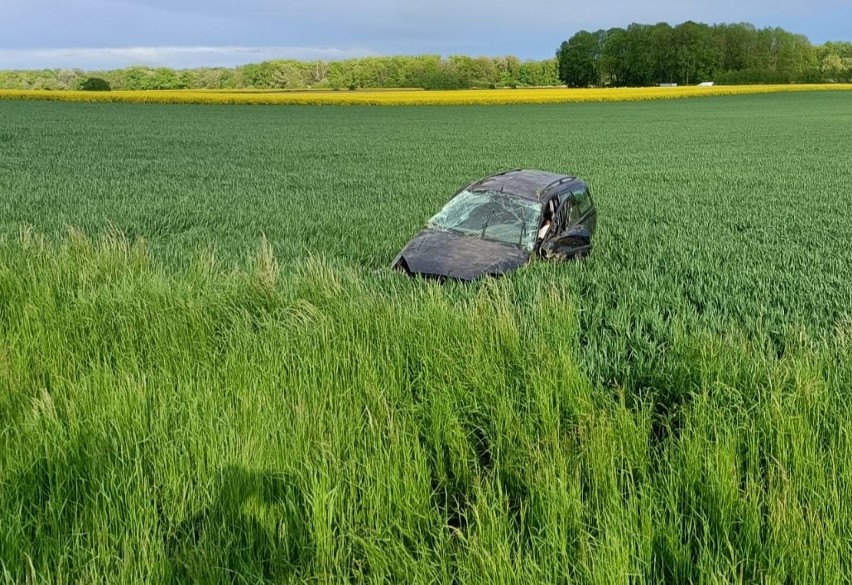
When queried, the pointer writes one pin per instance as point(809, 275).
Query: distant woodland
point(639, 55)
point(691, 52)
point(423, 71)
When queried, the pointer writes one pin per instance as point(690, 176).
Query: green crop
point(208, 374)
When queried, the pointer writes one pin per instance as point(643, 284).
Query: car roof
point(525, 183)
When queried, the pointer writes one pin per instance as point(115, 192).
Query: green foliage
point(836, 61)
point(577, 60)
point(690, 53)
point(424, 71)
point(41, 79)
point(214, 380)
point(94, 84)
point(636, 56)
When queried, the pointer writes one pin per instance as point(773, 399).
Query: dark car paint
point(575, 242)
point(441, 254)
point(526, 184)
point(437, 254)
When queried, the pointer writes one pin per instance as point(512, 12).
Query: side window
point(553, 206)
point(583, 201)
point(562, 217)
point(571, 210)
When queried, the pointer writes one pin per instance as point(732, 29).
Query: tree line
point(639, 55)
point(422, 71)
point(691, 52)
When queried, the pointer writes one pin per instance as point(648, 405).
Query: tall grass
point(213, 424)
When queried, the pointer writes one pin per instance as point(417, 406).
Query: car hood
point(440, 254)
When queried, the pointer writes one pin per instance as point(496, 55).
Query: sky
point(106, 34)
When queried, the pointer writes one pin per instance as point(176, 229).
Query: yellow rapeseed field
point(407, 97)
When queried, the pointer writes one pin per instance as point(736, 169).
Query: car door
point(583, 210)
point(574, 223)
point(575, 209)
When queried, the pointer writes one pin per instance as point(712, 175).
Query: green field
point(207, 374)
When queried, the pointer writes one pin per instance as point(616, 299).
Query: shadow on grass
point(255, 530)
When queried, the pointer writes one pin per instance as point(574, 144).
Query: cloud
point(176, 57)
point(184, 33)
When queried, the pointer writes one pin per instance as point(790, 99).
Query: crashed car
point(497, 224)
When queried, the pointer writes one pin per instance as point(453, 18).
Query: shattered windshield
point(491, 216)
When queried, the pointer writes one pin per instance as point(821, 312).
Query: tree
point(614, 57)
point(319, 72)
point(509, 69)
point(696, 55)
point(287, 74)
point(663, 56)
point(733, 41)
point(539, 73)
point(164, 78)
point(692, 52)
point(639, 66)
point(68, 78)
point(578, 59)
point(833, 67)
point(94, 84)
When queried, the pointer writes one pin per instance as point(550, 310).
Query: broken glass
point(491, 215)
